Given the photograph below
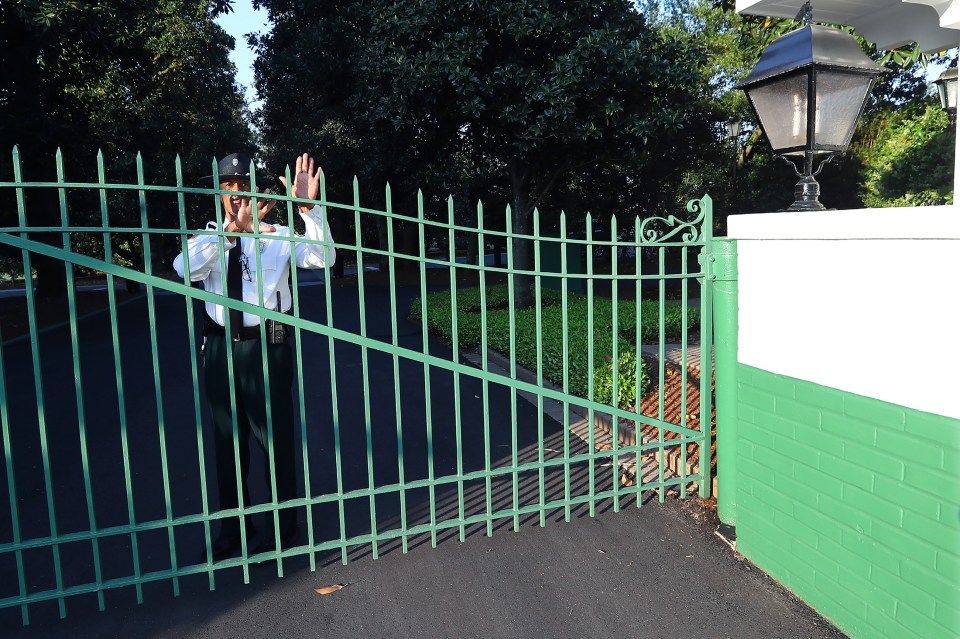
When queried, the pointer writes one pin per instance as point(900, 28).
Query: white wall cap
point(921, 222)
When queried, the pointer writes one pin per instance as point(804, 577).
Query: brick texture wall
point(852, 503)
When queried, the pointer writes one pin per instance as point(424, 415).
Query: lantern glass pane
point(782, 108)
point(944, 95)
point(840, 97)
point(951, 87)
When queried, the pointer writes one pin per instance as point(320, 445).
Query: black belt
point(247, 332)
point(277, 332)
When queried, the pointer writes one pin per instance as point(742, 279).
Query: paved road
point(657, 574)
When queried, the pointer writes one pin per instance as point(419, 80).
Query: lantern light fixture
point(734, 126)
point(808, 91)
point(947, 88)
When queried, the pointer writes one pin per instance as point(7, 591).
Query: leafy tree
point(529, 94)
point(906, 166)
point(142, 75)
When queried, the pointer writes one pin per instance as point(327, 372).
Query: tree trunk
point(382, 239)
point(473, 244)
point(520, 216)
point(410, 241)
point(27, 129)
point(42, 208)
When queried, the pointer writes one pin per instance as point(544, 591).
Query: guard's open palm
point(306, 182)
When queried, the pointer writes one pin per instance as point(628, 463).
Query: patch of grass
point(555, 350)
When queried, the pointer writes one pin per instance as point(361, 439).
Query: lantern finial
point(806, 14)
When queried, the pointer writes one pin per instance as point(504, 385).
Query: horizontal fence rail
point(451, 375)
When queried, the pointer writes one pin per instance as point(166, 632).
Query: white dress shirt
point(204, 254)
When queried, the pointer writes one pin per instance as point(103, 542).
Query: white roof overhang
point(889, 24)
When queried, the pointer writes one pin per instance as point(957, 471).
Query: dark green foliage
point(469, 334)
point(907, 164)
point(556, 105)
point(148, 76)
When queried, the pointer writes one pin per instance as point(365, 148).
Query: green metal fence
point(424, 398)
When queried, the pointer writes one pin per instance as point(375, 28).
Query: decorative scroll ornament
point(656, 230)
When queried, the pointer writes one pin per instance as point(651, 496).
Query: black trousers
point(251, 411)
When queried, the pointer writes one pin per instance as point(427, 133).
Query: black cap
point(234, 166)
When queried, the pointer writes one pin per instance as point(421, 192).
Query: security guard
point(240, 279)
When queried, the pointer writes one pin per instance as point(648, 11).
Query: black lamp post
point(947, 88)
point(808, 90)
point(734, 126)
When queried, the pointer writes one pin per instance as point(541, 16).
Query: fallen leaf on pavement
point(326, 590)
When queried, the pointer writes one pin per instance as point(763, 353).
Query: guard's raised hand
point(245, 215)
point(306, 183)
point(264, 207)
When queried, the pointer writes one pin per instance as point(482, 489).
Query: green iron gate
point(428, 403)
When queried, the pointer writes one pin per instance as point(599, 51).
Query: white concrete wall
point(866, 301)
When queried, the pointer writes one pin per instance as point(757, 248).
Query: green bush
point(626, 380)
point(906, 167)
point(552, 311)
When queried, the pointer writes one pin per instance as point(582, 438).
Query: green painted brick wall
point(852, 503)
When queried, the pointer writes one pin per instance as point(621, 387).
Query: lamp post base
point(807, 194)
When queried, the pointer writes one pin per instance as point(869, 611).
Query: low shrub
point(554, 350)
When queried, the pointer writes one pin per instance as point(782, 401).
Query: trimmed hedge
point(440, 320)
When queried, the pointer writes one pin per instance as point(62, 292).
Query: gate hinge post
point(722, 270)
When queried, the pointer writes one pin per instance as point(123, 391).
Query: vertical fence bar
point(231, 375)
point(591, 424)
point(428, 413)
point(455, 338)
point(394, 340)
point(194, 374)
point(615, 390)
point(684, 410)
point(638, 340)
point(38, 389)
point(334, 396)
point(368, 425)
point(78, 384)
point(152, 314)
point(538, 305)
point(661, 368)
point(511, 305)
point(7, 444)
point(12, 486)
point(298, 363)
point(485, 366)
point(565, 347)
point(118, 375)
point(705, 205)
point(258, 244)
